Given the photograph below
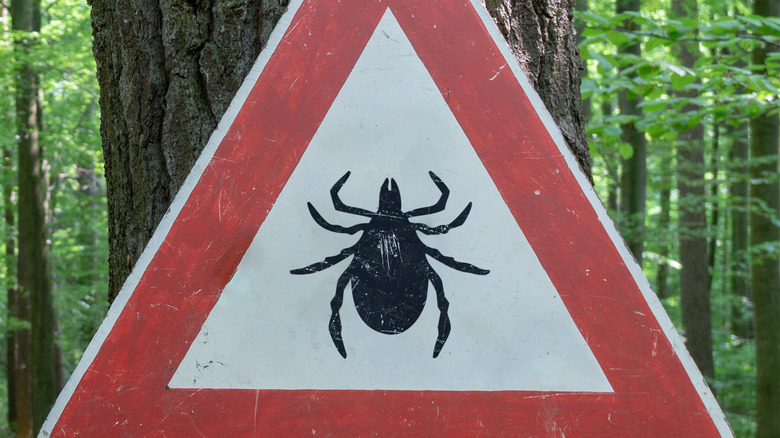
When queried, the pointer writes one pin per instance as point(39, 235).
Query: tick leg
point(340, 206)
point(325, 264)
point(439, 205)
point(444, 305)
point(454, 264)
point(335, 318)
point(329, 226)
point(441, 229)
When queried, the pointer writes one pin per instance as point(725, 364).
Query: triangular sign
point(226, 325)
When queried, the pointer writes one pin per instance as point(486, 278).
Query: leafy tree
point(765, 234)
point(694, 275)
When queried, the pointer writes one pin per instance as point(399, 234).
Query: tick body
point(389, 272)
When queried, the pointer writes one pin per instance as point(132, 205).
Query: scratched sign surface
point(399, 243)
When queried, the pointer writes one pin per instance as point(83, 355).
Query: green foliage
point(730, 91)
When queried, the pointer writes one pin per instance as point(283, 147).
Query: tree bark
point(765, 275)
point(167, 72)
point(541, 36)
point(694, 275)
point(587, 106)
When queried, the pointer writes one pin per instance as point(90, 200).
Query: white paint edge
point(617, 240)
point(169, 218)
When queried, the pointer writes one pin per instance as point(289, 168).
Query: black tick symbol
point(389, 272)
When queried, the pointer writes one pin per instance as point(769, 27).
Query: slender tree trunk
point(739, 199)
point(712, 243)
point(633, 179)
point(765, 278)
point(36, 387)
point(9, 261)
point(613, 174)
point(11, 285)
point(694, 275)
point(664, 221)
point(23, 19)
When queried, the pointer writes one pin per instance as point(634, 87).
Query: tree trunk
point(587, 106)
point(694, 276)
point(540, 34)
point(712, 243)
point(167, 72)
point(765, 275)
point(36, 379)
point(11, 285)
point(613, 173)
point(9, 262)
point(741, 321)
point(633, 179)
point(664, 221)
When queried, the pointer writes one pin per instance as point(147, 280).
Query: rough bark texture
point(587, 106)
point(541, 36)
point(168, 69)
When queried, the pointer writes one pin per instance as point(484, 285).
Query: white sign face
point(510, 329)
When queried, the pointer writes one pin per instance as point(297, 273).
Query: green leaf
point(692, 122)
point(653, 43)
point(657, 130)
point(654, 93)
point(652, 106)
point(592, 32)
point(617, 38)
point(646, 71)
point(626, 151)
point(605, 65)
point(613, 130)
point(679, 82)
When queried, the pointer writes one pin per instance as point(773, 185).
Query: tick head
point(389, 198)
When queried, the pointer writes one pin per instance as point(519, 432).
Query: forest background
point(674, 93)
